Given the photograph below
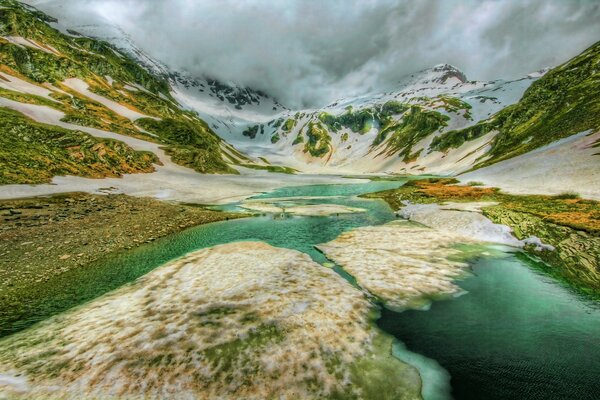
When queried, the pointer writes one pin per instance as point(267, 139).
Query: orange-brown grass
point(576, 218)
point(452, 192)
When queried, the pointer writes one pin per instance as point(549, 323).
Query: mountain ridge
point(434, 121)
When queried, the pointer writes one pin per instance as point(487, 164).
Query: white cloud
point(308, 52)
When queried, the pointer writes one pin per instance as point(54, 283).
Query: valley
point(166, 234)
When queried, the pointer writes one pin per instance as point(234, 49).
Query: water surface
point(516, 334)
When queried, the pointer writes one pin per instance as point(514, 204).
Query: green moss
point(382, 376)
point(189, 143)
point(319, 141)
point(344, 136)
point(415, 124)
point(563, 102)
point(228, 356)
point(31, 152)
point(275, 138)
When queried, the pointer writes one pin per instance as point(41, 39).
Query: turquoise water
point(516, 334)
point(301, 233)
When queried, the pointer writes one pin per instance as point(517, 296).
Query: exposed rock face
point(448, 71)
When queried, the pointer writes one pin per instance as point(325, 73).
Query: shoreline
point(191, 328)
point(178, 184)
point(46, 238)
point(563, 231)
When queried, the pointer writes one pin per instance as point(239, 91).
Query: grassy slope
point(190, 143)
point(415, 124)
point(319, 141)
point(31, 152)
point(570, 224)
point(400, 125)
point(563, 102)
point(91, 60)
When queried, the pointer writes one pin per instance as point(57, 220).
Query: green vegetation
point(277, 123)
point(566, 196)
point(562, 103)
point(299, 139)
point(454, 105)
point(456, 138)
point(271, 168)
point(289, 125)
point(570, 224)
point(227, 357)
point(77, 56)
point(251, 131)
point(393, 107)
point(190, 143)
point(57, 57)
point(275, 138)
point(359, 121)
point(78, 110)
point(319, 141)
point(31, 152)
point(415, 124)
point(365, 119)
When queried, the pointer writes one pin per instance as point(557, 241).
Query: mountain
point(381, 132)
point(104, 110)
point(111, 109)
point(202, 93)
point(563, 103)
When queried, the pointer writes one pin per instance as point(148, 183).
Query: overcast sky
point(310, 52)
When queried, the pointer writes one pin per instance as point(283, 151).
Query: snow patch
point(82, 87)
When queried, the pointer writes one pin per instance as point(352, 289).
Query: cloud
point(307, 53)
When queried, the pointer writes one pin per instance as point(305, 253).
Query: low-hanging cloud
point(307, 53)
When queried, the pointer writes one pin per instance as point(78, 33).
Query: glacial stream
point(515, 334)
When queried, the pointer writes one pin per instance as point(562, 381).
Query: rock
point(65, 256)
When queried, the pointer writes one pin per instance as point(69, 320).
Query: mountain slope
point(381, 132)
point(438, 122)
point(564, 102)
point(85, 84)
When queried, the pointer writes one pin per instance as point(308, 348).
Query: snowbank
point(568, 165)
point(218, 323)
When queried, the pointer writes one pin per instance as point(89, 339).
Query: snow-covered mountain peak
point(447, 71)
point(445, 75)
